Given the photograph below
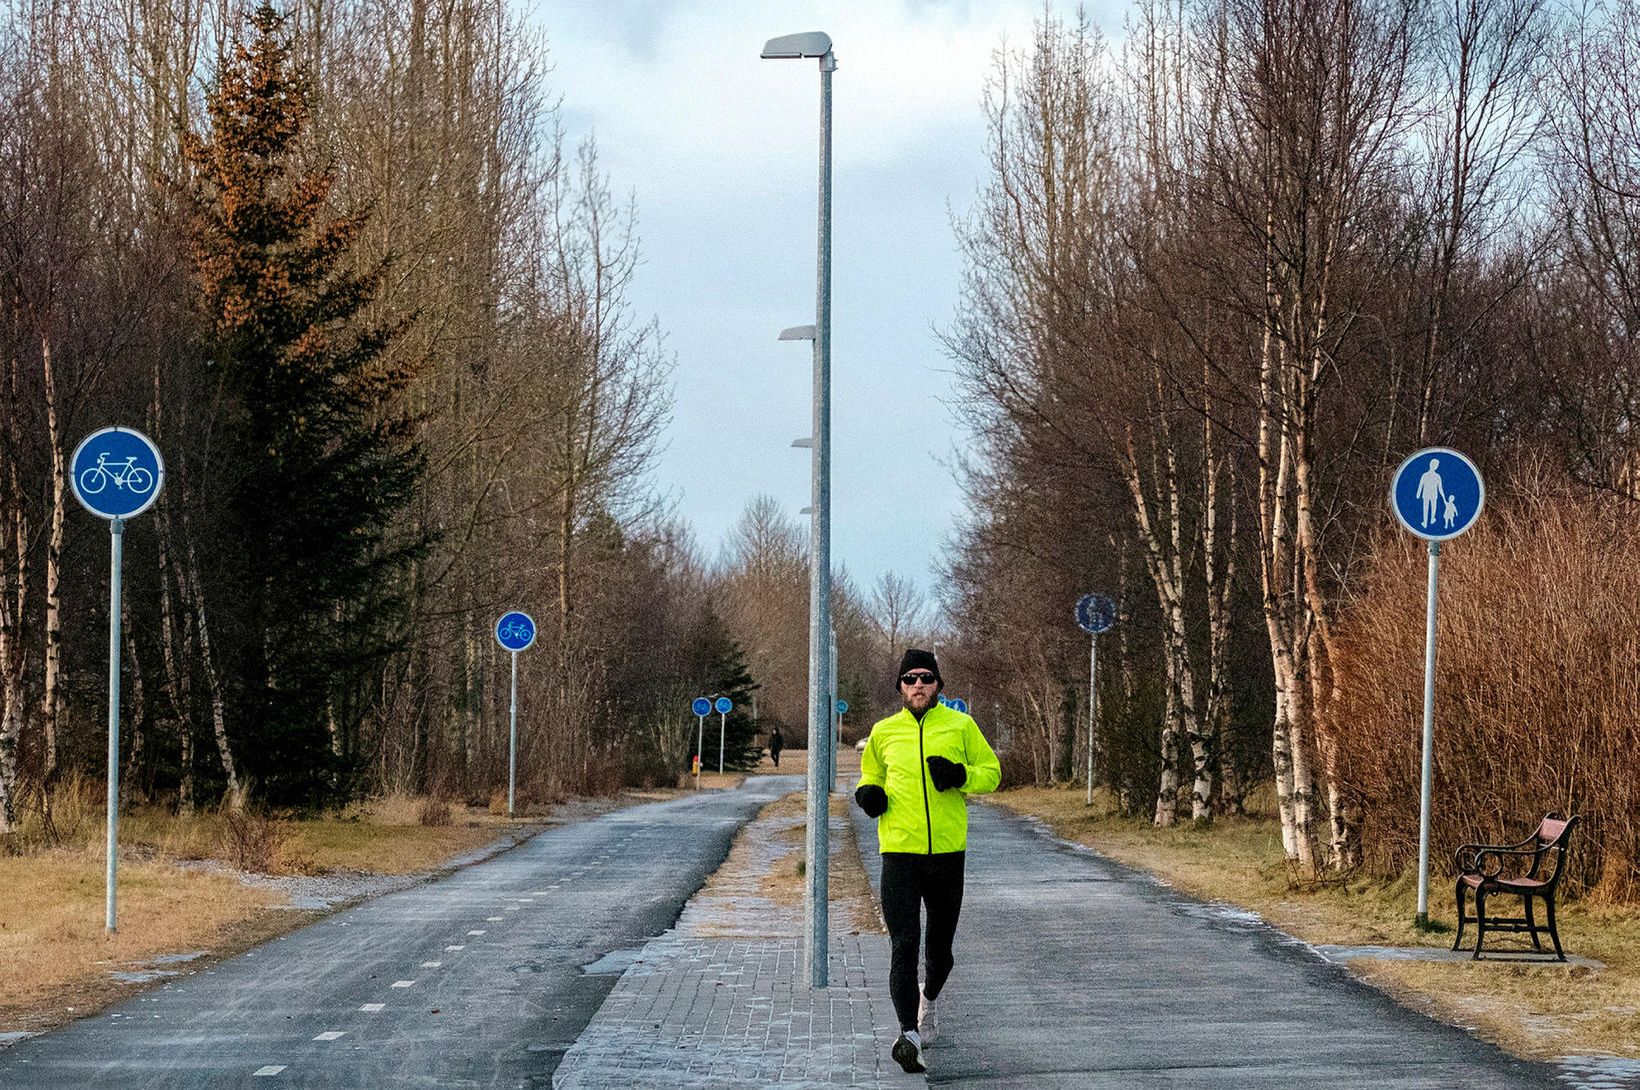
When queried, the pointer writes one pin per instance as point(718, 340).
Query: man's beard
point(911, 706)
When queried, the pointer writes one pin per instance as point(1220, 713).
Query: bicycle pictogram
point(129, 475)
point(514, 631)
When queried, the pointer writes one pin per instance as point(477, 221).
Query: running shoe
point(907, 1052)
point(928, 1019)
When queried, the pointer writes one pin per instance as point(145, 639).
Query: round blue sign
point(724, 705)
point(116, 473)
point(1095, 613)
point(842, 707)
point(1437, 494)
point(515, 631)
point(702, 706)
point(961, 705)
point(944, 699)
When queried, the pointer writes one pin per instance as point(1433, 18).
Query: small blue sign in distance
point(724, 705)
point(515, 631)
point(960, 705)
point(1437, 494)
point(842, 707)
point(944, 699)
point(116, 473)
point(1095, 613)
point(702, 706)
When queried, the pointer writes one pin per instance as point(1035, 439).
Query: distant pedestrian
point(918, 768)
point(776, 744)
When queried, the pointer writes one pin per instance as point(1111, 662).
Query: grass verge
point(1535, 1010)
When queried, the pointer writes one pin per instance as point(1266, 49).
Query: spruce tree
point(727, 675)
point(314, 457)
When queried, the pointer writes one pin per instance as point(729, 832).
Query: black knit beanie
point(915, 658)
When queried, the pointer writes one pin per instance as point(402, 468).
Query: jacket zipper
point(922, 765)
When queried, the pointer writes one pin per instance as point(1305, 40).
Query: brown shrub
point(433, 811)
point(1537, 688)
point(254, 842)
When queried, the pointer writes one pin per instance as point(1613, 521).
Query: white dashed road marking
point(372, 1008)
point(331, 1035)
point(271, 1069)
point(492, 919)
point(402, 983)
point(431, 964)
point(463, 946)
point(475, 932)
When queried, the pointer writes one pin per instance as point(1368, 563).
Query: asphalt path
point(479, 979)
point(1073, 971)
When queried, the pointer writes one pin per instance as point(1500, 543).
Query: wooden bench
point(1530, 870)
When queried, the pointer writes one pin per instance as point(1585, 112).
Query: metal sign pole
point(1425, 790)
point(700, 743)
point(1093, 706)
point(115, 563)
point(723, 726)
point(512, 737)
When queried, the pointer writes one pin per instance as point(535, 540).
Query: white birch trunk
point(51, 693)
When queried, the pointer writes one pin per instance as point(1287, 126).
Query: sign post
point(702, 708)
point(1095, 613)
point(516, 632)
point(724, 705)
point(1436, 495)
point(116, 474)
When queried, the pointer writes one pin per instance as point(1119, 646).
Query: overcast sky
point(720, 150)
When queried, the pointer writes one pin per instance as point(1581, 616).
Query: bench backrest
point(1553, 835)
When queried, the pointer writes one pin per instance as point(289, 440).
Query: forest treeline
point(341, 263)
point(1224, 274)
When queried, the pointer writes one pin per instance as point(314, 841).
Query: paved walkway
point(1073, 971)
point(717, 1001)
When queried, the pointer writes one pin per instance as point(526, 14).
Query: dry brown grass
point(1532, 1009)
point(55, 956)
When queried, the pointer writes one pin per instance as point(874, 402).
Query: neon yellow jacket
point(919, 817)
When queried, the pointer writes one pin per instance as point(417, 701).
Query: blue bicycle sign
point(515, 631)
point(116, 473)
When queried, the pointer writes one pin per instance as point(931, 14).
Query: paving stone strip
point(718, 1000)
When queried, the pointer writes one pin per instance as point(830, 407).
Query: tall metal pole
point(1429, 738)
point(816, 945)
point(1093, 707)
point(115, 563)
point(512, 737)
point(723, 722)
point(832, 740)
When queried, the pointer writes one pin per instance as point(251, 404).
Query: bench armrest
point(1473, 858)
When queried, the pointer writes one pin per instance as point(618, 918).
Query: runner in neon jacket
point(918, 768)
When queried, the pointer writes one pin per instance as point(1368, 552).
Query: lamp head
point(813, 43)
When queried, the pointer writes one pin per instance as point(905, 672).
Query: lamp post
point(816, 942)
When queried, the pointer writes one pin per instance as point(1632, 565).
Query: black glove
point(946, 774)
point(872, 799)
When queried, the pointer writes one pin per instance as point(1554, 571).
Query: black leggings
point(909, 881)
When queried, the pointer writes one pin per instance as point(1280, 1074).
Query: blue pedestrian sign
point(515, 631)
point(116, 473)
point(724, 705)
point(702, 706)
point(961, 705)
point(842, 707)
point(1095, 613)
point(1437, 494)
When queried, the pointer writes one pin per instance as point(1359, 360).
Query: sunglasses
point(917, 679)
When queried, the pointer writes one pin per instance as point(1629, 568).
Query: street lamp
point(816, 940)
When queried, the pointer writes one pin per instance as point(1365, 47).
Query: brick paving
point(718, 1002)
